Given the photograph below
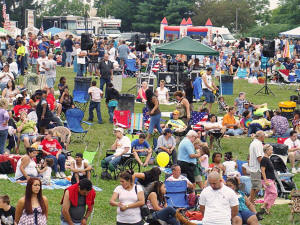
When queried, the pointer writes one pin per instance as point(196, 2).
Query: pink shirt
point(204, 163)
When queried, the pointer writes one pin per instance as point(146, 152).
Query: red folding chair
point(122, 118)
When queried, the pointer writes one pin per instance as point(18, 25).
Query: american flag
point(6, 23)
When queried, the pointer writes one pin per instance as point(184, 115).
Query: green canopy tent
point(185, 46)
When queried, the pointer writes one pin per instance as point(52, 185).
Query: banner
point(30, 18)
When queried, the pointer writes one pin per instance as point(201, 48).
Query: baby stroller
point(284, 179)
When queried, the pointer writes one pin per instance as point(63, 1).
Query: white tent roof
point(291, 33)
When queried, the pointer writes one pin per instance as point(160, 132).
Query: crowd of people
point(30, 118)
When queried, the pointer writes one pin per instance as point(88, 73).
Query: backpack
point(6, 167)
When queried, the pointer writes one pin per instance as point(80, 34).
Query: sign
point(30, 18)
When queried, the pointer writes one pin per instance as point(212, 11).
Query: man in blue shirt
point(69, 49)
point(140, 147)
point(123, 52)
point(187, 156)
point(44, 45)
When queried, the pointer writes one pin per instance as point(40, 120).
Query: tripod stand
point(265, 89)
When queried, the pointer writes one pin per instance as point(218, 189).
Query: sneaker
point(294, 170)
point(62, 174)
point(57, 175)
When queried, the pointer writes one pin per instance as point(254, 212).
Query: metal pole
point(236, 19)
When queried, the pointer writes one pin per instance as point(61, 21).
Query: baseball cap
point(119, 129)
point(176, 112)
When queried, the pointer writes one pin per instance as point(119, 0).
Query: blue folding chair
point(240, 166)
point(177, 194)
point(130, 68)
point(81, 99)
point(74, 119)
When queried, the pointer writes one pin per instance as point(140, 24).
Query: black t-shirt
point(267, 163)
point(39, 109)
point(7, 217)
point(149, 178)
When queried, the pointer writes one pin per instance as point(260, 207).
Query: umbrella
point(53, 30)
point(64, 33)
point(3, 32)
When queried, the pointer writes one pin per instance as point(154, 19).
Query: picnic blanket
point(55, 184)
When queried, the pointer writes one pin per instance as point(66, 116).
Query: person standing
point(123, 52)
point(95, 103)
point(74, 202)
point(42, 63)
point(218, 203)
point(187, 156)
point(293, 144)
point(112, 52)
point(4, 118)
point(33, 207)
point(50, 73)
point(34, 54)
point(21, 57)
point(111, 100)
point(268, 179)
point(105, 72)
point(68, 44)
point(93, 60)
point(81, 54)
point(255, 156)
point(183, 106)
point(208, 87)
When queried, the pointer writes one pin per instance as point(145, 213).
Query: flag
point(6, 24)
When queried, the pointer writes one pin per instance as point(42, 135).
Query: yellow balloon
point(162, 159)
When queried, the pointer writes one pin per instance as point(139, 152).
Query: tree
point(261, 10)
point(287, 13)
point(149, 15)
point(178, 9)
point(269, 31)
point(64, 8)
point(223, 13)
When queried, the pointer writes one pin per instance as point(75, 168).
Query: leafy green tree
point(269, 31)
point(287, 13)
point(178, 9)
point(261, 10)
point(65, 7)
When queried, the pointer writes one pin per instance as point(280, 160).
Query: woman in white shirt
point(26, 166)
point(128, 197)
point(5, 76)
point(162, 93)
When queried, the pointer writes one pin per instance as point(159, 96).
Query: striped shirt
point(255, 151)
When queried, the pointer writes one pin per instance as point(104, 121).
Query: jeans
point(3, 137)
point(80, 70)
point(155, 122)
point(111, 159)
point(111, 110)
point(95, 105)
point(253, 128)
point(61, 162)
point(234, 132)
point(167, 214)
point(102, 82)
point(63, 59)
point(26, 60)
point(21, 64)
point(65, 223)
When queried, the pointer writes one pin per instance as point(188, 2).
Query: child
point(216, 159)
point(96, 95)
point(112, 96)
point(46, 170)
point(7, 212)
point(230, 165)
point(223, 105)
point(204, 158)
point(62, 85)
point(197, 173)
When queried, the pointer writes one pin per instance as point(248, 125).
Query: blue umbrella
point(53, 30)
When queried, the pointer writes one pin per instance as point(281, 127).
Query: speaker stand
point(265, 89)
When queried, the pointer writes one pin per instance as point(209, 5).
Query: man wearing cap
point(187, 156)
point(20, 57)
point(167, 143)
point(208, 87)
point(176, 124)
point(121, 146)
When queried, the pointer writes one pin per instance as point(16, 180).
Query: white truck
point(225, 34)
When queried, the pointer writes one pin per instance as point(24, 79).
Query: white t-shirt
point(123, 143)
point(218, 205)
point(26, 46)
point(80, 60)
point(208, 80)
point(112, 54)
point(96, 93)
point(13, 67)
point(180, 178)
point(131, 55)
point(51, 64)
point(292, 144)
point(47, 174)
point(132, 215)
point(30, 169)
point(6, 76)
point(229, 166)
point(42, 63)
point(255, 151)
point(162, 94)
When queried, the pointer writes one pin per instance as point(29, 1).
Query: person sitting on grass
point(7, 212)
point(121, 146)
point(140, 147)
point(26, 166)
point(280, 125)
point(80, 169)
point(167, 143)
point(233, 126)
point(247, 211)
point(147, 178)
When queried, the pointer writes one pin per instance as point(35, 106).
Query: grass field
point(104, 213)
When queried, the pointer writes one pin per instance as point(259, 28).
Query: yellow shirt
point(21, 50)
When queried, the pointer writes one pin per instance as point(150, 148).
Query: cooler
point(287, 109)
point(226, 85)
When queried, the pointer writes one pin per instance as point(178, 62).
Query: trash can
point(82, 83)
point(287, 109)
point(227, 85)
point(126, 102)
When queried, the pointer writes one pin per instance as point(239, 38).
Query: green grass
point(104, 213)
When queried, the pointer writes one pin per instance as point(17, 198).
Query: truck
point(225, 34)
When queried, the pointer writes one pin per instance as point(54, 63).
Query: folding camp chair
point(74, 120)
point(177, 194)
point(122, 118)
point(81, 99)
point(137, 122)
point(130, 67)
point(89, 156)
point(34, 82)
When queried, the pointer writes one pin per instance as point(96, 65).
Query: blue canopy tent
point(53, 30)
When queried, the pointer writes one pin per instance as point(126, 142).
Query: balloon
point(162, 159)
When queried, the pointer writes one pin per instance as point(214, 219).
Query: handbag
point(145, 212)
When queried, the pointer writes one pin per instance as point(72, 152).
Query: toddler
point(230, 165)
point(45, 170)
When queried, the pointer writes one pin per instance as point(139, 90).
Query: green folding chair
point(89, 156)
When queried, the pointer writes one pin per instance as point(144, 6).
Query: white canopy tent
point(294, 33)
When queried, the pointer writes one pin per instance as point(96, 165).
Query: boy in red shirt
point(53, 150)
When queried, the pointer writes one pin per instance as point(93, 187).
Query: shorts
point(245, 215)
point(209, 96)
point(142, 153)
point(93, 67)
point(29, 136)
point(50, 82)
point(188, 169)
point(297, 155)
point(68, 57)
point(256, 180)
